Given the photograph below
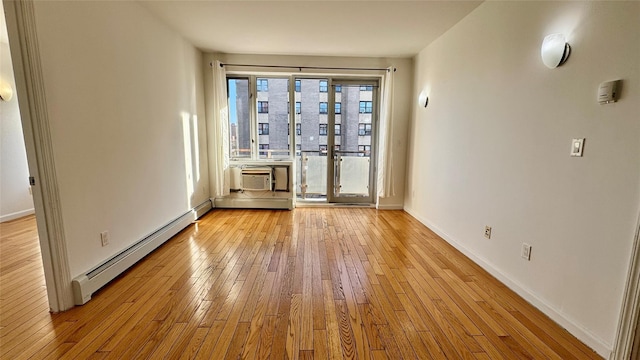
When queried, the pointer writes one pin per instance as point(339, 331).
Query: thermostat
point(608, 91)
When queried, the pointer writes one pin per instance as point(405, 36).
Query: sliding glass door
point(335, 122)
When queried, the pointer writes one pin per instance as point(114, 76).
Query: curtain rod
point(307, 67)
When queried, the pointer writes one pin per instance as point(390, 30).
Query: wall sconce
point(423, 99)
point(555, 50)
point(6, 92)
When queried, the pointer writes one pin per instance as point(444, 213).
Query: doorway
point(335, 132)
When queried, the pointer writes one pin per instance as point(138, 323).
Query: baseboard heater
point(85, 285)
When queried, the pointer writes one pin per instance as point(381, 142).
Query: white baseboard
point(85, 285)
point(576, 329)
point(255, 203)
point(390, 206)
point(16, 215)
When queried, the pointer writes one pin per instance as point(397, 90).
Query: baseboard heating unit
point(85, 285)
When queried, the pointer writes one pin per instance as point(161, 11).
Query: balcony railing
point(351, 171)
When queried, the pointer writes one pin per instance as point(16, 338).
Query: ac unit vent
point(256, 179)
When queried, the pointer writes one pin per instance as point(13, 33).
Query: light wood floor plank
point(321, 283)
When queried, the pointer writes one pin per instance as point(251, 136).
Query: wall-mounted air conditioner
point(256, 179)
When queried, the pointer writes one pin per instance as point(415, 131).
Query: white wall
point(126, 109)
point(15, 198)
point(403, 79)
point(493, 147)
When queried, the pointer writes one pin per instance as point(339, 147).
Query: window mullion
point(253, 118)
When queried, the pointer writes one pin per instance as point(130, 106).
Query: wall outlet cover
point(526, 252)
point(487, 232)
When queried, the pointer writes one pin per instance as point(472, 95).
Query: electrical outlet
point(526, 252)
point(487, 232)
point(104, 238)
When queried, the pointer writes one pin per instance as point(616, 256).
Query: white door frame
point(629, 317)
point(23, 42)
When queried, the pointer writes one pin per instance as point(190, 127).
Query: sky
point(233, 115)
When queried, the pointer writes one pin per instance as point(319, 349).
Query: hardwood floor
point(310, 283)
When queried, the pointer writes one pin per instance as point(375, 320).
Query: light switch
point(576, 147)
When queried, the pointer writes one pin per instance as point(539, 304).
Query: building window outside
point(263, 107)
point(297, 85)
point(338, 130)
point(364, 129)
point(263, 129)
point(324, 86)
point(366, 149)
point(264, 147)
point(324, 107)
point(262, 84)
point(323, 129)
point(298, 129)
point(366, 87)
point(323, 150)
point(366, 107)
point(338, 108)
point(338, 88)
point(298, 107)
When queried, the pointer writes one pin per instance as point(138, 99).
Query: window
point(298, 107)
point(366, 107)
point(323, 129)
point(239, 118)
point(323, 108)
point(262, 84)
point(336, 147)
point(297, 85)
point(338, 88)
point(366, 88)
point(264, 153)
point(366, 149)
point(298, 129)
point(364, 129)
point(323, 150)
point(338, 129)
point(270, 118)
point(263, 129)
point(324, 87)
point(263, 107)
point(338, 108)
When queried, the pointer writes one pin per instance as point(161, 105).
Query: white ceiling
point(321, 28)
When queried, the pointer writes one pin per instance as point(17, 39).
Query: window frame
point(320, 108)
point(258, 123)
point(323, 86)
point(261, 106)
point(262, 85)
point(322, 127)
point(262, 127)
point(367, 109)
point(364, 129)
